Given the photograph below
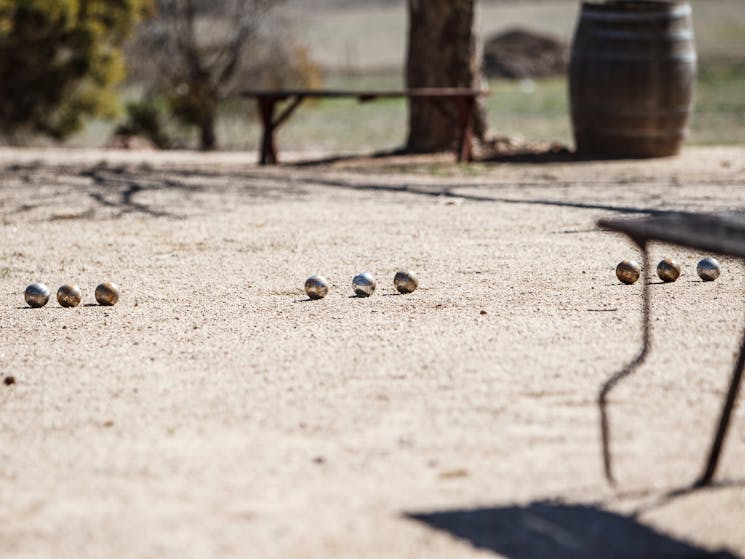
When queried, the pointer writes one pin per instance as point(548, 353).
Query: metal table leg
point(627, 370)
point(724, 420)
point(727, 408)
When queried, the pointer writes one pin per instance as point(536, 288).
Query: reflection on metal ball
point(708, 269)
point(363, 284)
point(405, 282)
point(628, 271)
point(69, 296)
point(316, 287)
point(107, 294)
point(36, 295)
point(668, 270)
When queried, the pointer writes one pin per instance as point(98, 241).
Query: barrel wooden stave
point(632, 76)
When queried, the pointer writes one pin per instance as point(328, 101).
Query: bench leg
point(268, 149)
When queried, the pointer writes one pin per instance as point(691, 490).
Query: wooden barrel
point(631, 79)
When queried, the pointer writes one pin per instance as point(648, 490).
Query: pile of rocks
point(521, 54)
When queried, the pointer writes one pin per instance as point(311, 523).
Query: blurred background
point(355, 44)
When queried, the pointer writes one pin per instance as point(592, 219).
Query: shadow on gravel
point(128, 189)
point(124, 189)
point(117, 188)
point(556, 154)
point(331, 159)
point(560, 531)
point(439, 191)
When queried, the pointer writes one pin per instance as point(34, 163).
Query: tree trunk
point(441, 53)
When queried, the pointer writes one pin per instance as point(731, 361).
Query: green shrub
point(59, 62)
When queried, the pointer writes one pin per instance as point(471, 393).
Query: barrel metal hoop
point(644, 57)
point(683, 10)
point(619, 133)
point(601, 109)
point(636, 36)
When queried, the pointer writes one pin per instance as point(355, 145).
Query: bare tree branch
point(201, 50)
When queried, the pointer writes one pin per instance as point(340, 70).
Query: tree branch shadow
point(127, 190)
point(117, 188)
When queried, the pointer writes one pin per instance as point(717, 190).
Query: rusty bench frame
point(463, 100)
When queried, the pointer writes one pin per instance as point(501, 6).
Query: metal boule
point(69, 295)
point(36, 295)
point(363, 284)
point(316, 287)
point(668, 270)
point(708, 269)
point(107, 294)
point(628, 271)
point(405, 282)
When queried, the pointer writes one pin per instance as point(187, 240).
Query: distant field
point(362, 46)
point(372, 35)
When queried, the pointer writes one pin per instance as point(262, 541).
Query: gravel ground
point(216, 412)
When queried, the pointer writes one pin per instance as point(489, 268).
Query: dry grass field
point(368, 35)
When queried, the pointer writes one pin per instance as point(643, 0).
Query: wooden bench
point(458, 103)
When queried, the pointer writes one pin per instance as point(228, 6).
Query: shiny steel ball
point(107, 294)
point(36, 295)
point(69, 295)
point(708, 269)
point(668, 270)
point(316, 287)
point(628, 271)
point(363, 284)
point(405, 282)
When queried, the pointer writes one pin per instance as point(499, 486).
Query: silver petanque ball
point(107, 294)
point(405, 282)
point(316, 287)
point(628, 271)
point(668, 270)
point(363, 284)
point(69, 296)
point(36, 295)
point(708, 269)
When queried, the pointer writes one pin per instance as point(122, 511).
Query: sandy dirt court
point(216, 412)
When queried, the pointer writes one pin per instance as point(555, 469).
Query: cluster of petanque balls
point(107, 293)
point(37, 295)
point(668, 270)
point(316, 287)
